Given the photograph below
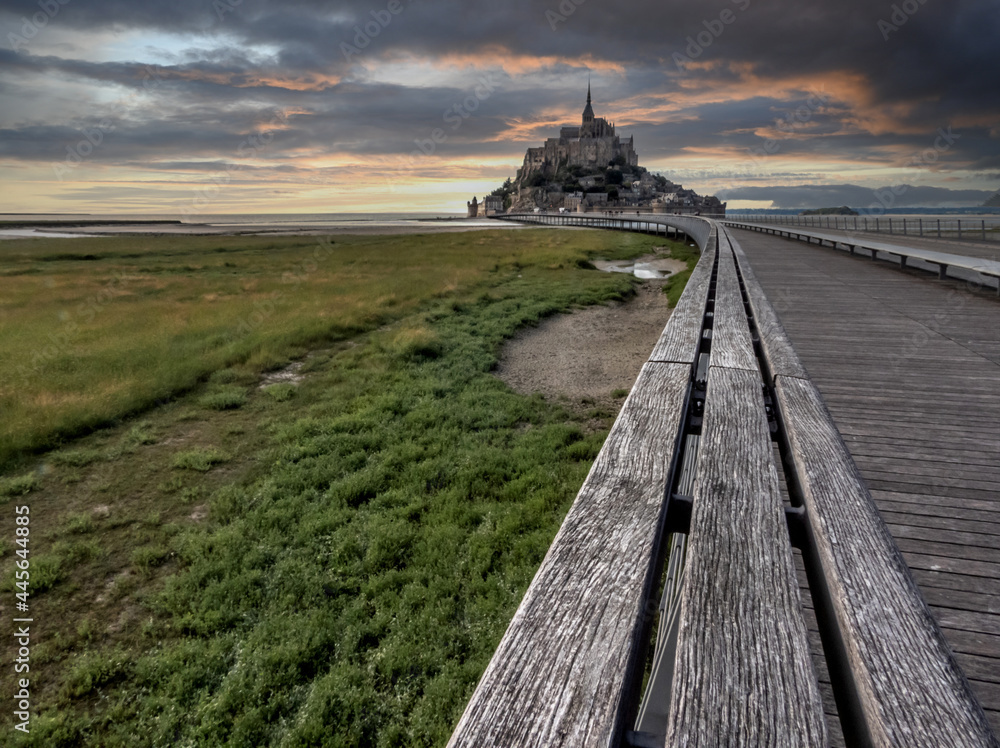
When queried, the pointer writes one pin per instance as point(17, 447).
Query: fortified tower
point(593, 145)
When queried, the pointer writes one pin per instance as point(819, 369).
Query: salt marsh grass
point(331, 562)
point(95, 329)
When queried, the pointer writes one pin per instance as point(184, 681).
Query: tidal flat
point(277, 494)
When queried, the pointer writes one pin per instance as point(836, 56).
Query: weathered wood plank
point(781, 357)
point(679, 341)
point(732, 346)
point(563, 670)
point(743, 674)
point(986, 544)
point(891, 640)
point(963, 566)
point(938, 597)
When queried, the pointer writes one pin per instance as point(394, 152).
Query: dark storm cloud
point(894, 77)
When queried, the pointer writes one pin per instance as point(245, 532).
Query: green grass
point(331, 563)
point(224, 398)
point(18, 485)
point(201, 459)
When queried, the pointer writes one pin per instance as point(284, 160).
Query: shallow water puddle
point(650, 267)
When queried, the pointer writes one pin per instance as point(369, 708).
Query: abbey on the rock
point(590, 168)
point(592, 145)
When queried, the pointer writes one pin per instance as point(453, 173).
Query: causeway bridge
point(791, 536)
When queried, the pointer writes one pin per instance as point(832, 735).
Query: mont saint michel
point(591, 167)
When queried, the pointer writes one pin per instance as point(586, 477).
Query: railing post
point(959, 228)
point(939, 228)
point(921, 226)
point(984, 229)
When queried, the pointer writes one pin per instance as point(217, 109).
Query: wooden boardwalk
point(723, 476)
point(909, 367)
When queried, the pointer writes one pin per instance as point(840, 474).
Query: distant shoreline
point(77, 229)
point(80, 223)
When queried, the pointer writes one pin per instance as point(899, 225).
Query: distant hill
point(993, 202)
point(842, 211)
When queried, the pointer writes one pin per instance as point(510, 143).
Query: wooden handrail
point(568, 666)
point(743, 674)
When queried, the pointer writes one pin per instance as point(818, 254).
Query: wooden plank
point(679, 341)
point(961, 538)
point(732, 346)
point(973, 642)
point(912, 524)
point(864, 572)
point(952, 580)
point(743, 674)
point(781, 357)
point(968, 620)
point(938, 597)
point(980, 668)
point(963, 566)
point(917, 505)
point(563, 671)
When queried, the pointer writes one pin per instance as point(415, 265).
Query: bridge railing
point(976, 270)
point(975, 229)
point(688, 476)
point(650, 223)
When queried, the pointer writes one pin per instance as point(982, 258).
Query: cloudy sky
point(232, 106)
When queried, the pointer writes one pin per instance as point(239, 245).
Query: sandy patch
point(590, 353)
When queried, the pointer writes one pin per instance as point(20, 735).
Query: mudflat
point(586, 355)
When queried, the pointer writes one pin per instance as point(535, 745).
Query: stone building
point(492, 205)
point(589, 167)
point(592, 145)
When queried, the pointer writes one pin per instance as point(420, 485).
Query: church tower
point(588, 112)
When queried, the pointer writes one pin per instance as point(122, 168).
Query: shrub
point(224, 398)
point(201, 459)
point(76, 457)
point(280, 393)
point(18, 485)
